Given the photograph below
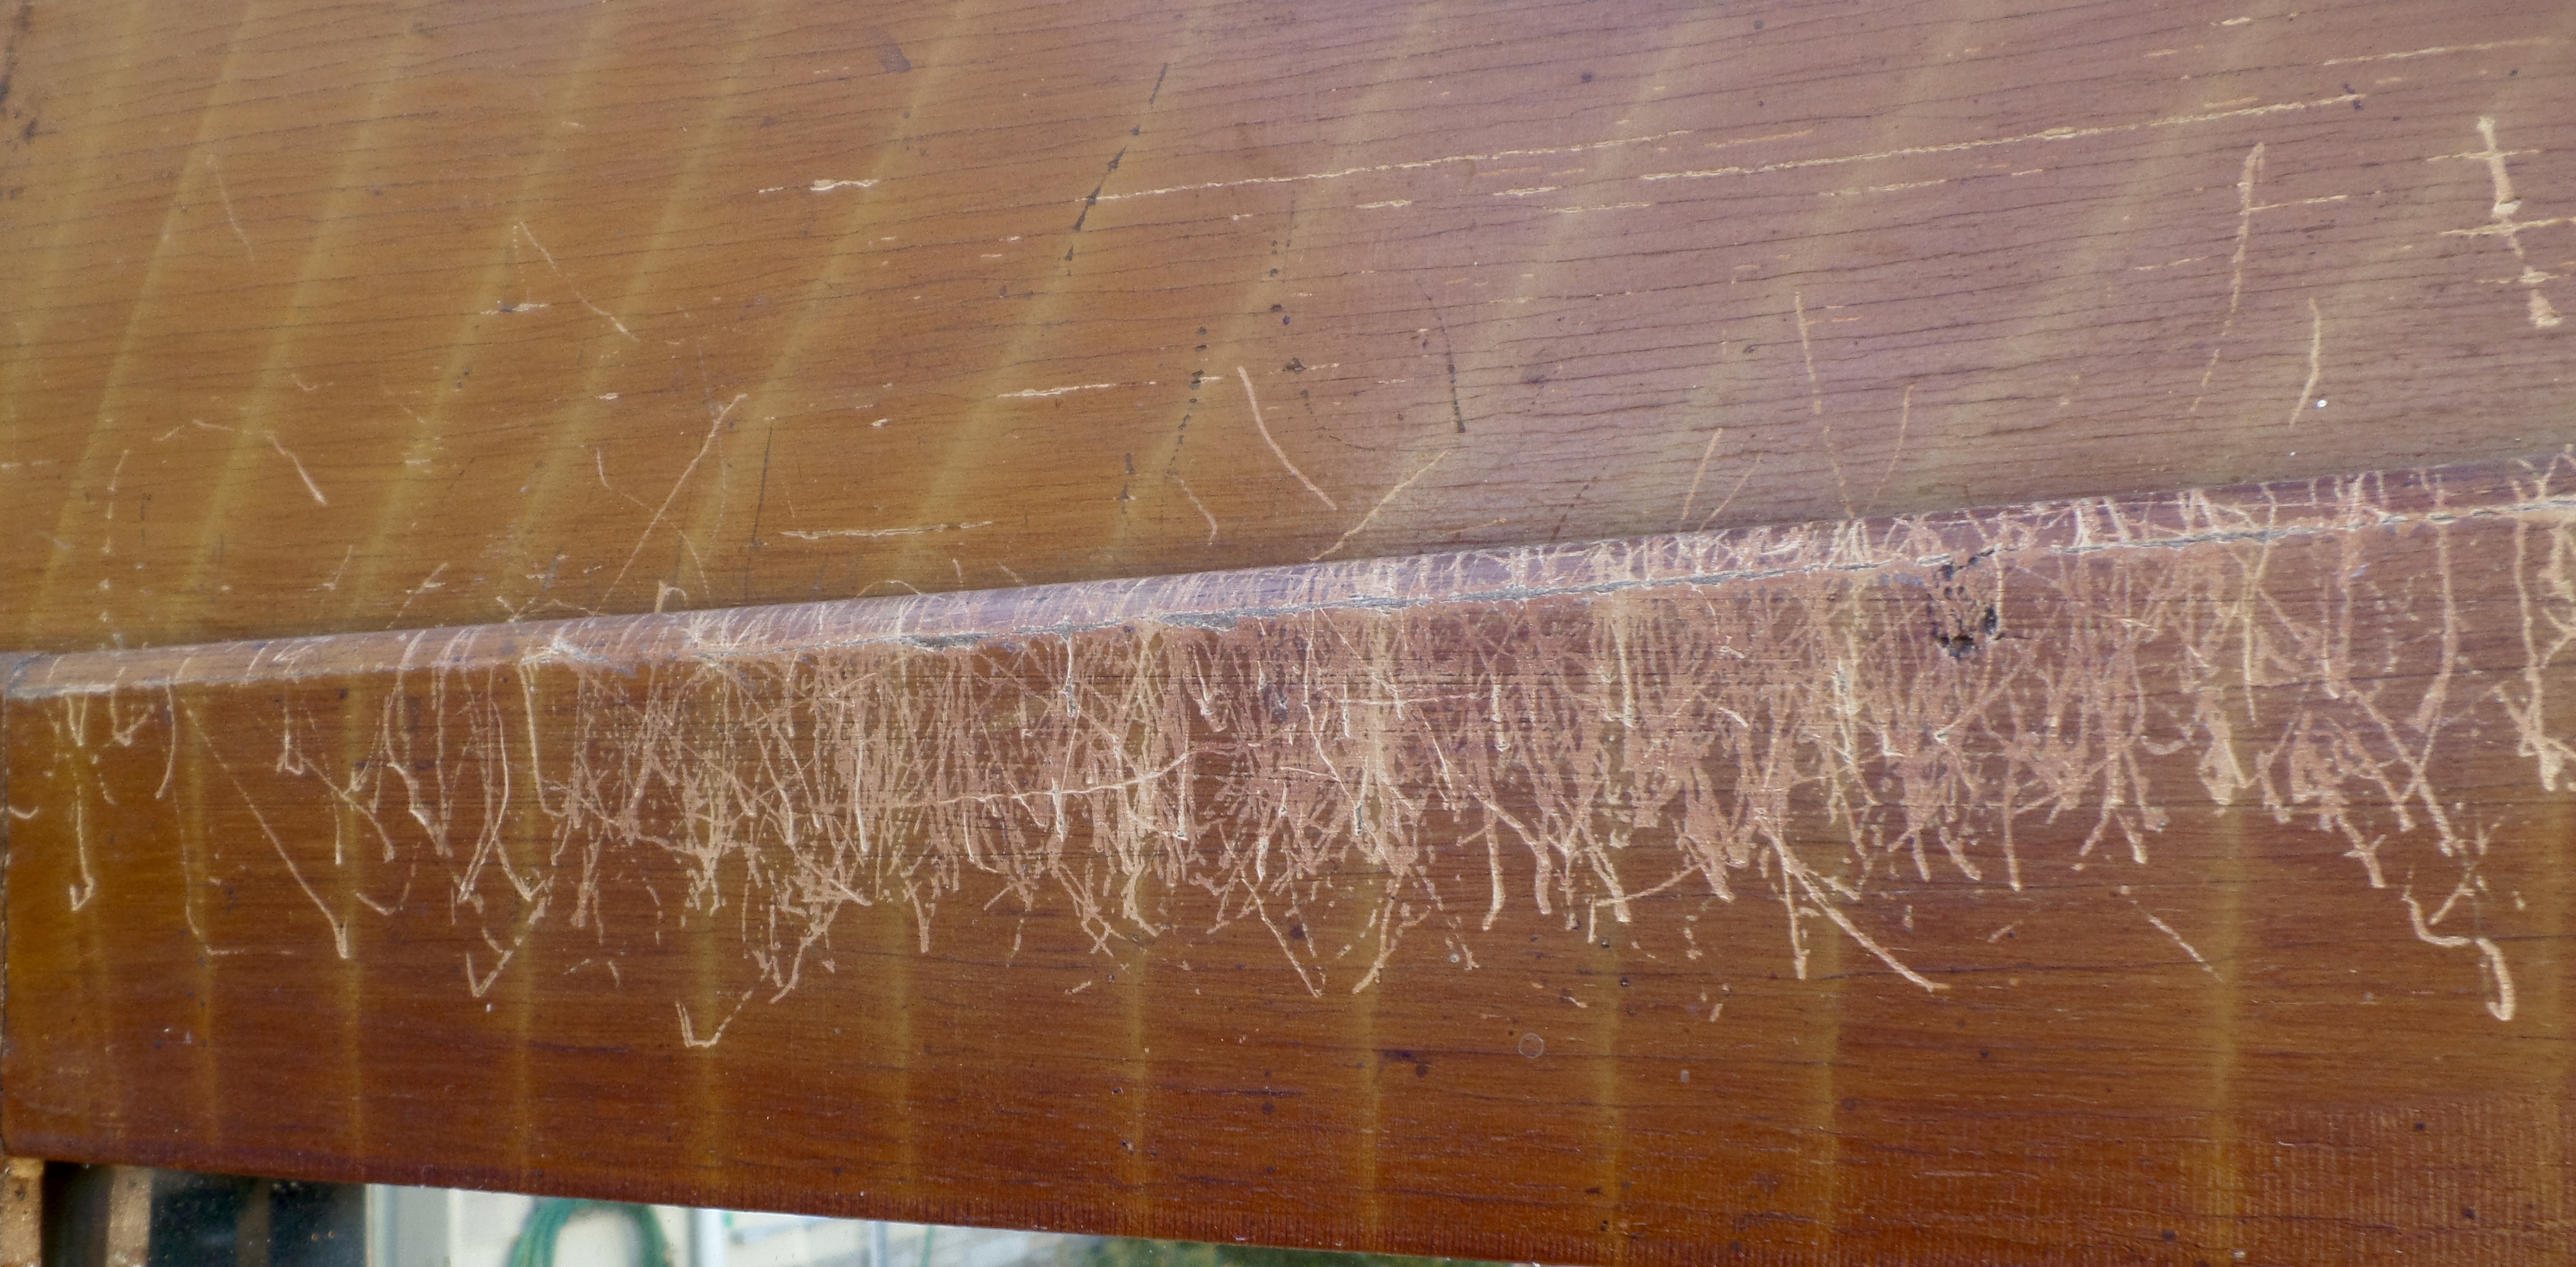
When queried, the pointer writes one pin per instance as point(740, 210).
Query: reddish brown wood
point(326, 318)
point(2172, 877)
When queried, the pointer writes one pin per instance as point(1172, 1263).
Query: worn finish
point(327, 318)
point(2180, 876)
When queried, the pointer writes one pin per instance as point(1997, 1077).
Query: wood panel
point(2170, 878)
point(327, 318)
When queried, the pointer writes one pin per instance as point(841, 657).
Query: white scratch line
point(1881, 189)
point(676, 485)
point(2168, 930)
point(1704, 455)
point(1415, 165)
point(2501, 1007)
point(1381, 505)
point(1523, 193)
point(689, 1033)
point(1607, 206)
point(2051, 134)
point(870, 533)
point(827, 186)
point(2436, 51)
point(566, 279)
point(1280, 453)
point(2504, 225)
point(1194, 500)
point(300, 472)
point(1815, 393)
point(1391, 202)
point(1038, 393)
point(225, 196)
point(2316, 360)
point(1904, 419)
point(2245, 208)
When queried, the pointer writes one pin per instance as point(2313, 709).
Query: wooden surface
point(363, 320)
point(325, 318)
point(2179, 876)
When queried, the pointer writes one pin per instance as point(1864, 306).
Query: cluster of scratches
point(1789, 716)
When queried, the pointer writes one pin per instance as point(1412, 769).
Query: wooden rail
point(1422, 677)
point(2179, 874)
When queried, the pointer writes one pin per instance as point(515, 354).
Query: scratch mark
point(602, 313)
point(1880, 189)
point(2316, 361)
point(339, 927)
point(1194, 501)
point(2049, 134)
point(1280, 453)
point(1040, 393)
point(427, 583)
point(827, 186)
point(300, 472)
point(1816, 400)
point(2501, 1006)
point(2504, 225)
point(1414, 165)
point(1704, 455)
point(1904, 417)
point(689, 1033)
point(2436, 51)
point(870, 533)
point(2245, 182)
point(714, 425)
point(225, 196)
point(347, 554)
point(1391, 494)
point(1740, 482)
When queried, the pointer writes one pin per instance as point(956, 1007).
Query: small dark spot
point(1605, 1223)
point(1757, 26)
point(2419, 1126)
point(1593, 1191)
point(1751, 348)
point(1129, 1147)
point(1623, 980)
point(1984, 1054)
point(2469, 1212)
point(1131, 463)
point(1295, 365)
point(1851, 1104)
point(2169, 1236)
point(1422, 1069)
point(1296, 932)
point(1278, 307)
point(1268, 1107)
point(1587, 76)
point(890, 58)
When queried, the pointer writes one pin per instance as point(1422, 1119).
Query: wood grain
point(2176, 877)
point(326, 318)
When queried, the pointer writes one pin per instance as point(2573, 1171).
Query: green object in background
point(536, 1244)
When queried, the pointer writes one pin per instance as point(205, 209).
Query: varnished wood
point(339, 320)
point(2176, 876)
point(328, 318)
